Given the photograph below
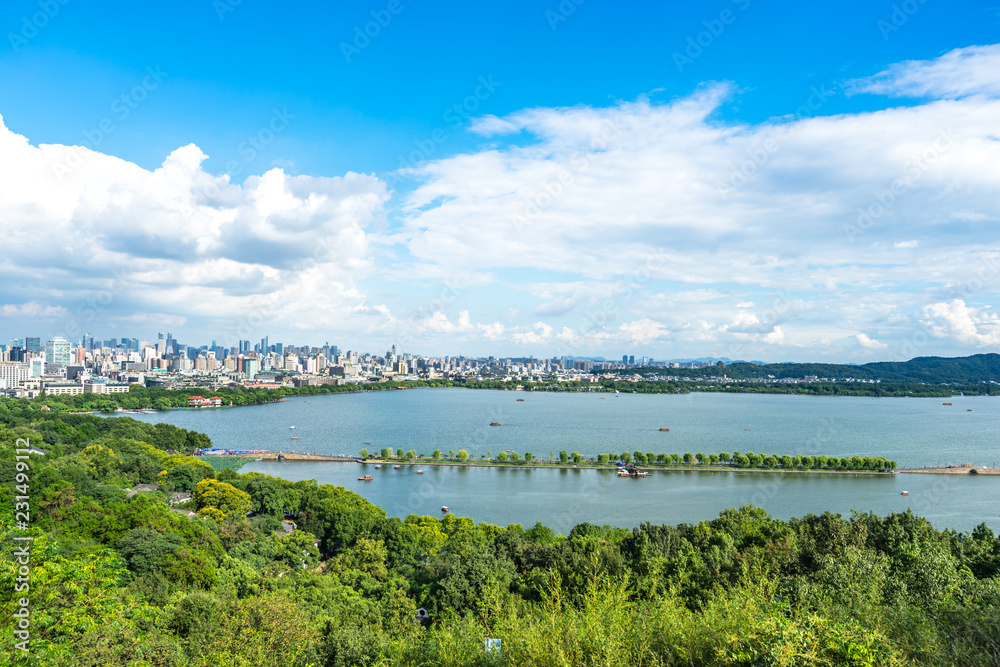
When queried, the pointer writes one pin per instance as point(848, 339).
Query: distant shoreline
point(146, 399)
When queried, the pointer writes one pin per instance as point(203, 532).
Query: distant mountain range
point(932, 370)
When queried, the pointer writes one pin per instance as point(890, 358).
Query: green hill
point(931, 370)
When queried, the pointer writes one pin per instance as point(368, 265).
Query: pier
point(965, 469)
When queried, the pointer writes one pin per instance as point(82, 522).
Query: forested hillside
point(132, 580)
point(932, 370)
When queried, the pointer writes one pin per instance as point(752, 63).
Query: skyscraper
point(33, 344)
point(58, 351)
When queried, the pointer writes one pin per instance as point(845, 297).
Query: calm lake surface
point(914, 432)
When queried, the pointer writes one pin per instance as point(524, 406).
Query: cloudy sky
point(734, 179)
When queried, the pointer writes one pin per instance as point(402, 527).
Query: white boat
point(291, 427)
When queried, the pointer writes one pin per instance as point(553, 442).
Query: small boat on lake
point(905, 493)
point(366, 478)
point(367, 443)
point(946, 404)
point(397, 467)
point(420, 472)
point(520, 400)
point(444, 508)
point(494, 423)
point(664, 429)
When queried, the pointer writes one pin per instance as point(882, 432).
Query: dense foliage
point(119, 580)
point(969, 370)
point(686, 461)
point(884, 389)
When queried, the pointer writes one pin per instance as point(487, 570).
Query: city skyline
point(171, 345)
point(690, 192)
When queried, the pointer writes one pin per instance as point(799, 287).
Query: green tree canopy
point(219, 500)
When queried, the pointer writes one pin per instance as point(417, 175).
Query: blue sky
point(505, 178)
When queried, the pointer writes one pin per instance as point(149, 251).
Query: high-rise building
point(11, 374)
point(58, 351)
point(631, 359)
point(250, 368)
point(33, 344)
point(624, 358)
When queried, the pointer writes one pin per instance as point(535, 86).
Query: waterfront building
point(200, 402)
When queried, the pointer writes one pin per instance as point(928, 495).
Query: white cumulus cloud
point(870, 343)
point(968, 325)
point(277, 250)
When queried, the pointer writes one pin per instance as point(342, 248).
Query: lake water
point(914, 432)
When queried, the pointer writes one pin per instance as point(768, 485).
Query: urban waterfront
point(914, 432)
